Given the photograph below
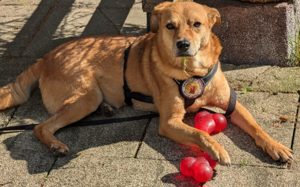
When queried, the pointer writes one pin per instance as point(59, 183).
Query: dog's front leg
point(171, 125)
point(242, 118)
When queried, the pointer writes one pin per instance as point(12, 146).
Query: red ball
point(220, 121)
point(200, 115)
point(186, 166)
point(212, 162)
point(202, 172)
point(206, 123)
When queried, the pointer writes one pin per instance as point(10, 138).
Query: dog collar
point(193, 87)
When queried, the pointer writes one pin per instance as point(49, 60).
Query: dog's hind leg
point(74, 109)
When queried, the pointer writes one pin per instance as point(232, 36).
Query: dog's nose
point(183, 45)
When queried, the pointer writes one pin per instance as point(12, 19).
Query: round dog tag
point(192, 88)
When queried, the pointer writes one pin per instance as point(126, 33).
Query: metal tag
point(192, 88)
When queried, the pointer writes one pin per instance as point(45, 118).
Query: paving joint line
point(142, 138)
point(49, 171)
point(261, 166)
point(11, 117)
point(42, 22)
point(233, 164)
point(3, 184)
point(14, 112)
point(252, 81)
point(272, 93)
point(111, 21)
point(296, 121)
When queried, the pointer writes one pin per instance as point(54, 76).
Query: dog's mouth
point(184, 54)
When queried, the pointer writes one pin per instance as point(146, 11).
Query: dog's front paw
point(276, 150)
point(220, 154)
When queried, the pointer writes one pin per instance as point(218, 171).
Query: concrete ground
point(131, 153)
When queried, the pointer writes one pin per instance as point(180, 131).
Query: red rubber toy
point(205, 123)
point(202, 172)
point(186, 166)
point(221, 122)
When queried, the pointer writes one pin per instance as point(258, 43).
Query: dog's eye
point(197, 24)
point(170, 26)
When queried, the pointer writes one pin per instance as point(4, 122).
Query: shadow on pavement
point(36, 36)
point(45, 14)
point(105, 20)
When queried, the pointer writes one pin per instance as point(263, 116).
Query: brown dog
point(76, 77)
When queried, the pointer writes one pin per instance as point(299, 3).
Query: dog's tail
point(18, 92)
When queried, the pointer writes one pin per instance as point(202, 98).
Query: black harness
point(127, 92)
point(129, 95)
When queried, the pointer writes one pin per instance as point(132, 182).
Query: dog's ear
point(214, 16)
point(155, 16)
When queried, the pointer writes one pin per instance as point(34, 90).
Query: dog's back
point(66, 70)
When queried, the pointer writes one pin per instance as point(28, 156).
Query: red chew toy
point(186, 166)
point(221, 122)
point(210, 123)
point(199, 168)
point(202, 172)
point(200, 115)
point(211, 161)
point(205, 123)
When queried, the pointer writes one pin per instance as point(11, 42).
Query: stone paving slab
point(267, 109)
point(5, 117)
point(241, 77)
point(94, 170)
point(160, 148)
point(236, 176)
point(278, 79)
point(24, 160)
point(41, 42)
point(12, 67)
point(263, 78)
point(73, 23)
point(18, 25)
point(22, 2)
point(239, 145)
point(136, 21)
point(15, 173)
point(105, 14)
point(76, 18)
point(88, 18)
point(111, 140)
point(31, 112)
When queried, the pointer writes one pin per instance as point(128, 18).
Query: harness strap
point(232, 102)
point(207, 78)
point(126, 89)
point(129, 95)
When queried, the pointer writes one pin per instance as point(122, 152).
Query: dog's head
point(183, 28)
